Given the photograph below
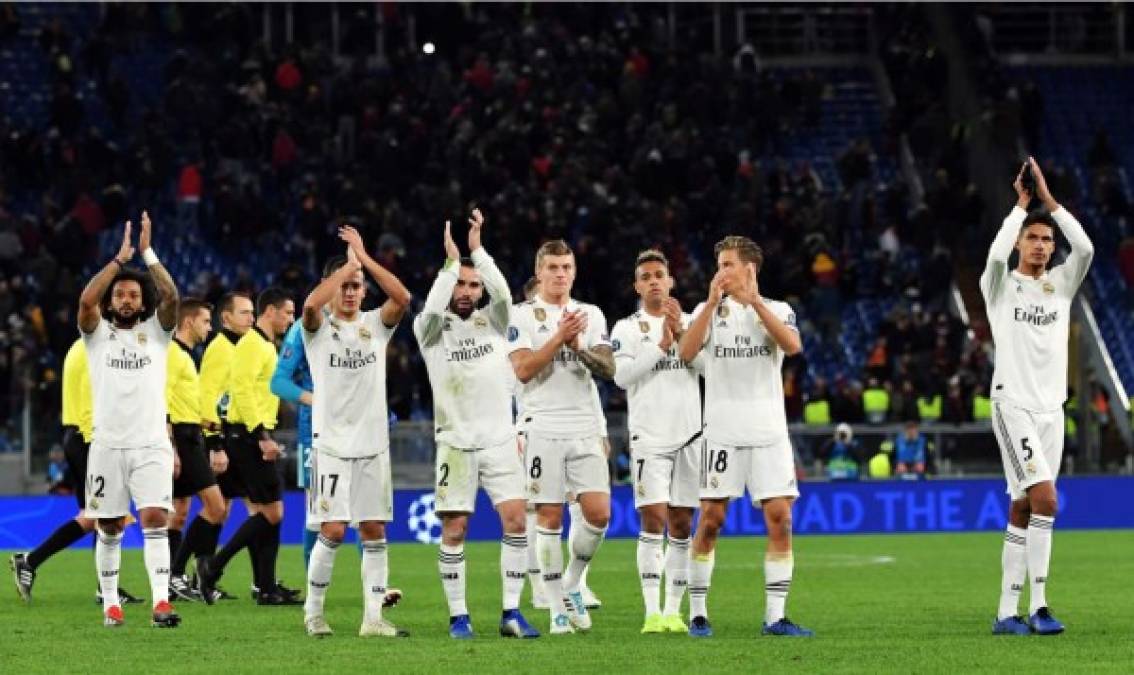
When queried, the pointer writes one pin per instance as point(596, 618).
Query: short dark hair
point(228, 300)
point(1039, 216)
point(651, 255)
point(272, 296)
point(467, 262)
point(749, 251)
point(333, 264)
point(189, 308)
point(149, 291)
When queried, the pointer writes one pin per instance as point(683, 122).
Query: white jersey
point(559, 401)
point(744, 388)
point(348, 373)
point(1031, 318)
point(467, 360)
point(663, 394)
point(128, 371)
point(600, 415)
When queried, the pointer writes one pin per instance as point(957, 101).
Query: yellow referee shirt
point(182, 385)
point(78, 410)
point(251, 401)
point(215, 366)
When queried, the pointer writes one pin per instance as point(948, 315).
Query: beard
point(124, 321)
point(462, 311)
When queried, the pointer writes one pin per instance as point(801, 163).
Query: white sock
point(676, 574)
point(576, 513)
point(1014, 569)
point(155, 551)
point(319, 570)
point(1039, 558)
point(650, 570)
point(451, 565)
point(700, 578)
point(513, 559)
point(533, 555)
point(777, 582)
point(375, 572)
point(551, 566)
point(108, 558)
point(584, 543)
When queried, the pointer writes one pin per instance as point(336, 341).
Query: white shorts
point(767, 471)
point(667, 476)
point(1031, 445)
point(498, 469)
point(117, 475)
point(353, 490)
point(556, 466)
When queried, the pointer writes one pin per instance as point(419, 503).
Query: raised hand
point(718, 287)
point(354, 240)
point(1042, 190)
point(666, 337)
point(1023, 197)
point(353, 263)
point(146, 235)
point(750, 293)
point(571, 326)
point(671, 308)
point(126, 250)
point(451, 251)
point(476, 222)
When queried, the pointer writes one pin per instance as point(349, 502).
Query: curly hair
point(149, 292)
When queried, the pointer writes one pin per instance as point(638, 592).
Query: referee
point(183, 400)
point(237, 314)
point(251, 418)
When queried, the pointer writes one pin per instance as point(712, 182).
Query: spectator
point(842, 454)
point(912, 450)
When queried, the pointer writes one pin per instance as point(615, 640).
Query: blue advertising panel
point(823, 508)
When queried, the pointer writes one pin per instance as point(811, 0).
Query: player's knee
point(1045, 505)
point(371, 530)
point(154, 518)
point(111, 526)
point(333, 531)
point(453, 529)
point(680, 525)
point(652, 521)
point(514, 523)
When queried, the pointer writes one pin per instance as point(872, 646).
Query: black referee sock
point(246, 535)
point(200, 539)
point(174, 542)
point(269, 551)
point(63, 536)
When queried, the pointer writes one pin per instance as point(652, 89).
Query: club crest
point(722, 311)
point(644, 326)
point(540, 314)
point(1048, 287)
point(142, 338)
point(480, 322)
point(364, 334)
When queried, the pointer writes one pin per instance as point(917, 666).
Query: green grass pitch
point(901, 603)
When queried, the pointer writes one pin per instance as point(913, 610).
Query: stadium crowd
point(579, 122)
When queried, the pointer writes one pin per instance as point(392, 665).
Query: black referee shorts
point(261, 479)
point(75, 450)
point(231, 485)
point(196, 474)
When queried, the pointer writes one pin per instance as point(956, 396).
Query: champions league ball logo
point(423, 520)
